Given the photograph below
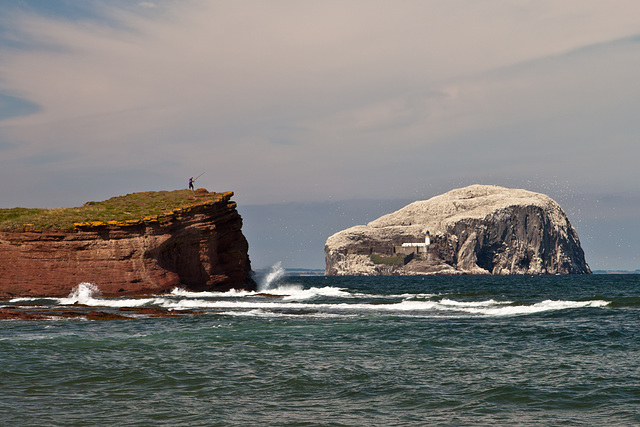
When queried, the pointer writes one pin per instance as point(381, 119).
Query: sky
point(306, 106)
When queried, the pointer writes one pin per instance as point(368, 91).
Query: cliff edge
point(480, 229)
point(198, 245)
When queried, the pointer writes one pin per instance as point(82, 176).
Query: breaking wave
point(272, 278)
point(292, 300)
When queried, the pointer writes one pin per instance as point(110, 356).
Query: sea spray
point(272, 278)
point(83, 293)
point(90, 295)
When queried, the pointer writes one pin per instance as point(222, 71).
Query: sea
point(333, 351)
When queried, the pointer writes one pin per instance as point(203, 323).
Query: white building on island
point(418, 248)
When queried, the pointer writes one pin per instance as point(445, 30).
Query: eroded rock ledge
point(198, 247)
point(479, 229)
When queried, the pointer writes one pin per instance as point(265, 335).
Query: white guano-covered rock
point(480, 229)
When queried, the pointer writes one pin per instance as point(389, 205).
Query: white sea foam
point(248, 304)
point(285, 299)
point(287, 291)
point(233, 293)
point(414, 296)
point(492, 308)
point(89, 294)
point(31, 299)
point(82, 294)
point(298, 293)
point(294, 291)
point(547, 305)
point(489, 303)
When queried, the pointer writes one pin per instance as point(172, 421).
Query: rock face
point(199, 248)
point(478, 229)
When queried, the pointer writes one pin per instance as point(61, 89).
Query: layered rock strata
point(199, 247)
point(478, 229)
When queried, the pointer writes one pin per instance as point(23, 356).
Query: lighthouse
point(415, 248)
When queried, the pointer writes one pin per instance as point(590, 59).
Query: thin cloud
point(358, 87)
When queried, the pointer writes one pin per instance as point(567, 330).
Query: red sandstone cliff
point(200, 247)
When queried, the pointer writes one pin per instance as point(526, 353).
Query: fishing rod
point(198, 176)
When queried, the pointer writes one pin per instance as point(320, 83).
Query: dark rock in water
point(480, 229)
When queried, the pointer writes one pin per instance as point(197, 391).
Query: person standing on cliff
point(191, 183)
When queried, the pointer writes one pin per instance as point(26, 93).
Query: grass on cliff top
point(133, 206)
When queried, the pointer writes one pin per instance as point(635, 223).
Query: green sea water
point(335, 351)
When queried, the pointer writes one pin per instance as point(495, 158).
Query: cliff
point(478, 229)
point(198, 246)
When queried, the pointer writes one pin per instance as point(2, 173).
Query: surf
point(278, 294)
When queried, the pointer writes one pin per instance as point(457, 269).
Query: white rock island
point(480, 229)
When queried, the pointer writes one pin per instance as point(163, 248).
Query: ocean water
point(334, 351)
